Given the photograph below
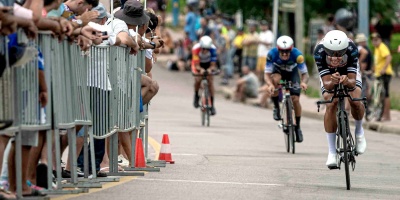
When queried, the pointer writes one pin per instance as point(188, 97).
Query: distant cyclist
point(336, 57)
point(284, 62)
point(204, 59)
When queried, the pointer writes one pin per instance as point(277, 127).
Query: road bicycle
point(288, 124)
point(205, 98)
point(345, 145)
point(377, 101)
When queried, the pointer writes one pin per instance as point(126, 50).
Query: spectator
point(247, 86)
point(265, 40)
point(190, 24)
point(204, 29)
point(383, 70)
point(238, 44)
point(329, 24)
point(250, 47)
point(384, 27)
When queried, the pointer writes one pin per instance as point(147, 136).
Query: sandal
point(34, 193)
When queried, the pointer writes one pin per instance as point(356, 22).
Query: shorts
point(358, 83)
point(386, 80)
point(29, 138)
point(251, 62)
point(202, 65)
point(251, 92)
point(261, 62)
point(293, 76)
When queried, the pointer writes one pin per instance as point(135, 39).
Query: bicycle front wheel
point(289, 109)
point(346, 153)
point(285, 126)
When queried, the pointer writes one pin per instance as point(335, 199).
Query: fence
point(100, 92)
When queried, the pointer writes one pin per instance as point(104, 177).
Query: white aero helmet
point(205, 42)
point(284, 43)
point(335, 43)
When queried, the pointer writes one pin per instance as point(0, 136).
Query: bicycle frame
point(287, 114)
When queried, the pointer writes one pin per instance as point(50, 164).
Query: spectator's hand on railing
point(30, 29)
point(66, 26)
point(8, 23)
point(90, 33)
point(84, 42)
point(88, 16)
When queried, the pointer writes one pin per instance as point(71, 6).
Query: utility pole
point(363, 17)
point(299, 24)
point(275, 21)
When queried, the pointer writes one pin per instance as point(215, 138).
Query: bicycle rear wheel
point(346, 153)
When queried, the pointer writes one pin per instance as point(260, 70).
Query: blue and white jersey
point(295, 62)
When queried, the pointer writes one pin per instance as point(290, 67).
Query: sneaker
point(361, 144)
point(277, 114)
point(213, 111)
point(65, 174)
point(299, 135)
point(196, 101)
point(101, 174)
point(332, 160)
point(122, 161)
point(79, 172)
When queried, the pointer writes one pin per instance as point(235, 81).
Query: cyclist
point(336, 57)
point(284, 62)
point(204, 59)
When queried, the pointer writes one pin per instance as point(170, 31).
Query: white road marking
point(212, 182)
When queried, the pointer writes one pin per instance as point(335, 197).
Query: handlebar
point(341, 92)
point(287, 84)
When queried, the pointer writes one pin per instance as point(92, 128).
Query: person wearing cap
point(365, 60)
point(383, 70)
point(336, 57)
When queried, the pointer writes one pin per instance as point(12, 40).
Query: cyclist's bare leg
point(357, 107)
point(197, 82)
point(330, 123)
point(240, 88)
point(296, 105)
point(211, 88)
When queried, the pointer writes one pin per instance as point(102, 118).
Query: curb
point(374, 126)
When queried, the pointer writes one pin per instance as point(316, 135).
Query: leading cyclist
point(284, 62)
point(204, 59)
point(336, 57)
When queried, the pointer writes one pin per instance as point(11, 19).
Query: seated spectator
point(247, 86)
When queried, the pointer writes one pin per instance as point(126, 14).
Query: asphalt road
point(242, 156)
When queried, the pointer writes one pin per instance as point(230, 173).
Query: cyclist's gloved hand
point(335, 78)
point(271, 89)
point(303, 86)
point(344, 80)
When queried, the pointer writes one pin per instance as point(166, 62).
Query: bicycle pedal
point(280, 125)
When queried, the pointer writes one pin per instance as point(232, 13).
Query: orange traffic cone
point(139, 154)
point(165, 152)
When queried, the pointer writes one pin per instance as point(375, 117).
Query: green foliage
point(394, 102)
point(312, 92)
point(309, 58)
point(252, 9)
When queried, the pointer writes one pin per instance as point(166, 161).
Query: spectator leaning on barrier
point(247, 86)
point(383, 70)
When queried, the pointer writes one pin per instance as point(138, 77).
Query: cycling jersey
point(203, 59)
point(349, 64)
point(288, 69)
point(276, 65)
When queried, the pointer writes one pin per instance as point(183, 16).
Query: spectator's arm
point(363, 54)
point(388, 60)
point(42, 88)
point(149, 65)
point(36, 8)
point(28, 26)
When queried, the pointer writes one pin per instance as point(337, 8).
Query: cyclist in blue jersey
point(284, 63)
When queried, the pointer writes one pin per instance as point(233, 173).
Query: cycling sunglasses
point(332, 53)
point(286, 51)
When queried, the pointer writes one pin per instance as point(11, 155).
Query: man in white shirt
point(266, 38)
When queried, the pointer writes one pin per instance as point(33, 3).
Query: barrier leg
point(18, 163)
point(59, 189)
point(49, 140)
point(114, 159)
point(132, 166)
